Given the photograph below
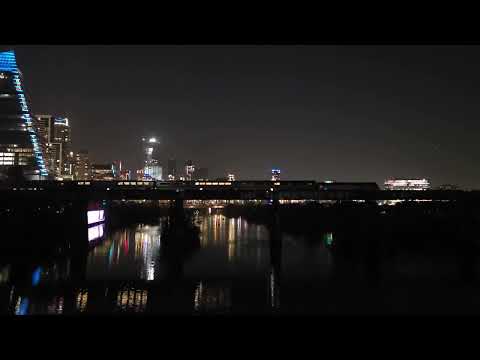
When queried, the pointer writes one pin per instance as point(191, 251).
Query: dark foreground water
point(236, 269)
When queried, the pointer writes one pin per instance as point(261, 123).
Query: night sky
point(345, 113)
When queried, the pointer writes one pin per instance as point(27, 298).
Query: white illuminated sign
point(95, 232)
point(95, 216)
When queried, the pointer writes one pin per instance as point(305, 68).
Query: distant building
point(151, 167)
point(55, 142)
point(189, 170)
point(69, 167)
point(126, 175)
point(117, 168)
point(102, 172)
point(231, 177)
point(139, 174)
point(172, 169)
point(44, 127)
point(348, 186)
point(275, 174)
point(447, 187)
point(82, 168)
point(407, 184)
point(61, 142)
point(201, 174)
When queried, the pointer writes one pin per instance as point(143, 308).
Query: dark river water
point(235, 269)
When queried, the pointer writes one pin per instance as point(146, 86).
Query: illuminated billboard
point(95, 216)
point(95, 232)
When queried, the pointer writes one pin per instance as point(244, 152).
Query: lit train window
point(87, 182)
point(120, 183)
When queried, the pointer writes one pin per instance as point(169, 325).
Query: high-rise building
point(117, 169)
point(55, 141)
point(201, 174)
point(82, 170)
point(102, 172)
point(275, 174)
point(20, 146)
point(172, 169)
point(407, 184)
point(44, 127)
point(61, 144)
point(231, 177)
point(152, 169)
point(140, 174)
point(189, 170)
point(126, 175)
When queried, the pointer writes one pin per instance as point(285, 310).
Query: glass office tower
point(20, 148)
point(152, 170)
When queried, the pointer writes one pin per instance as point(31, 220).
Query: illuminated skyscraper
point(44, 126)
point(61, 144)
point(82, 167)
point(55, 140)
point(19, 143)
point(189, 170)
point(231, 177)
point(275, 174)
point(151, 167)
point(172, 169)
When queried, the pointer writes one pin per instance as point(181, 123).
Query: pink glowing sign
point(95, 232)
point(95, 216)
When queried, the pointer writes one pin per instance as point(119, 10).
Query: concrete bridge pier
point(275, 255)
point(77, 227)
point(176, 213)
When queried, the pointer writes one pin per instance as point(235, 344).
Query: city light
point(95, 216)
point(407, 184)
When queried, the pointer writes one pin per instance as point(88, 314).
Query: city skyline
point(305, 135)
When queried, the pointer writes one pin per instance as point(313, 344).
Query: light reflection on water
point(236, 268)
point(127, 254)
point(130, 259)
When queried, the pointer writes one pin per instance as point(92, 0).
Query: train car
point(348, 186)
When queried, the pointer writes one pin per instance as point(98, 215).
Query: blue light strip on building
point(9, 63)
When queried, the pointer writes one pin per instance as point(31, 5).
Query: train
point(247, 185)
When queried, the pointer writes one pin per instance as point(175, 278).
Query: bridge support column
point(177, 210)
point(78, 233)
point(275, 254)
